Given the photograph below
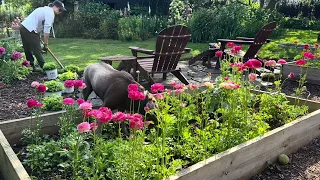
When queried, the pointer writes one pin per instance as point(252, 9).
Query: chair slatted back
point(170, 45)
point(260, 39)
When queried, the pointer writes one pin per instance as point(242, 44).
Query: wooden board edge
point(10, 167)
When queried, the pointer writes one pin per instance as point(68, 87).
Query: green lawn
point(272, 51)
point(82, 52)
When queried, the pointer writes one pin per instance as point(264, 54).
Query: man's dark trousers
point(31, 45)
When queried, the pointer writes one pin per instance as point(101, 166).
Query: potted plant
point(269, 77)
point(51, 70)
point(67, 76)
point(53, 103)
point(72, 68)
point(69, 86)
point(53, 87)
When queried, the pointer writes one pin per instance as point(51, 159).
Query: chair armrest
point(250, 39)
point(135, 50)
point(224, 41)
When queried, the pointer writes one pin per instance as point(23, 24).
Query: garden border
point(312, 74)
point(234, 163)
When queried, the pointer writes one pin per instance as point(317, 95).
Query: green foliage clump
point(178, 12)
point(68, 76)
point(270, 77)
point(53, 103)
point(54, 86)
point(49, 66)
point(72, 68)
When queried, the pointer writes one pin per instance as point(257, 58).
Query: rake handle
point(54, 57)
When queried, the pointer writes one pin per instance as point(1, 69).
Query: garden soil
point(13, 98)
point(303, 165)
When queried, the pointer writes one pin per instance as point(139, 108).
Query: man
point(39, 20)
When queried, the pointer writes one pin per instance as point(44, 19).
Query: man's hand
point(45, 48)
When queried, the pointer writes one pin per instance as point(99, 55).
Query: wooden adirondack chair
point(171, 44)
point(255, 43)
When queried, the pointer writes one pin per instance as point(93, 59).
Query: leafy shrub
point(140, 28)
point(72, 68)
point(54, 86)
point(270, 77)
point(49, 66)
point(178, 12)
point(300, 23)
point(228, 21)
point(8, 13)
point(67, 76)
point(53, 103)
point(12, 70)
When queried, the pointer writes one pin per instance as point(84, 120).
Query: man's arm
point(47, 27)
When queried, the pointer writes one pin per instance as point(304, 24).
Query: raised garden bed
point(312, 73)
point(242, 161)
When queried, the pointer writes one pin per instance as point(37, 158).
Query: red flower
point(119, 117)
point(253, 63)
point(291, 75)
point(134, 95)
point(226, 78)
point(135, 121)
point(301, 62)
point(106, 115)
point(282, 61)
point(219, 53)
point(316, 45)
point(42, 88)
point(193, 86)
point(142, 96)
point(68, 83)
point(32, 103)
point(133, 87)
point(271, 63)
point(93, 126)
point(306, 46)
point(157, 87)
point(77, 83)
point(308, 55)
point(230, 44)
point(80, 101)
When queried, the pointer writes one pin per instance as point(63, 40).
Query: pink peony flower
point(253, 63)
point(80, 101)
point(219, 53)
point(301, 62)
point(308, 55)
point(157, 87)
point(42, 88)
point(35, 84)
point(83, 86)
point(169, 90)
point(93, 126)
point(119, 117)
point(229, 85)
point(15, 56)
point(83, 127)
point(236, 49)
point(2, 50)
point(133, 87)
point(68, 101)
point(230, 44)
point(25, 63)
point(106, 115)
point(32, 103)
point(39, 105)
point(77, 83)
point(291, 75)
point(68, 83)
point(142, 96)
point(176, 85)
point(271, 63)
point(193, 86)
point(86, 113)
point(159, 96)
point(85, 106)
point(282, 61)
point(146, 108)
point(252, 77)
point(135, 121)
point(134, 95)
point(95, 113)
point(179, 91)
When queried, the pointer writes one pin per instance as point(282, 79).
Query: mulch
point(13, 98)
point(304, 164)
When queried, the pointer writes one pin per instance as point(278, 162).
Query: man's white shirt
point(40, 19)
